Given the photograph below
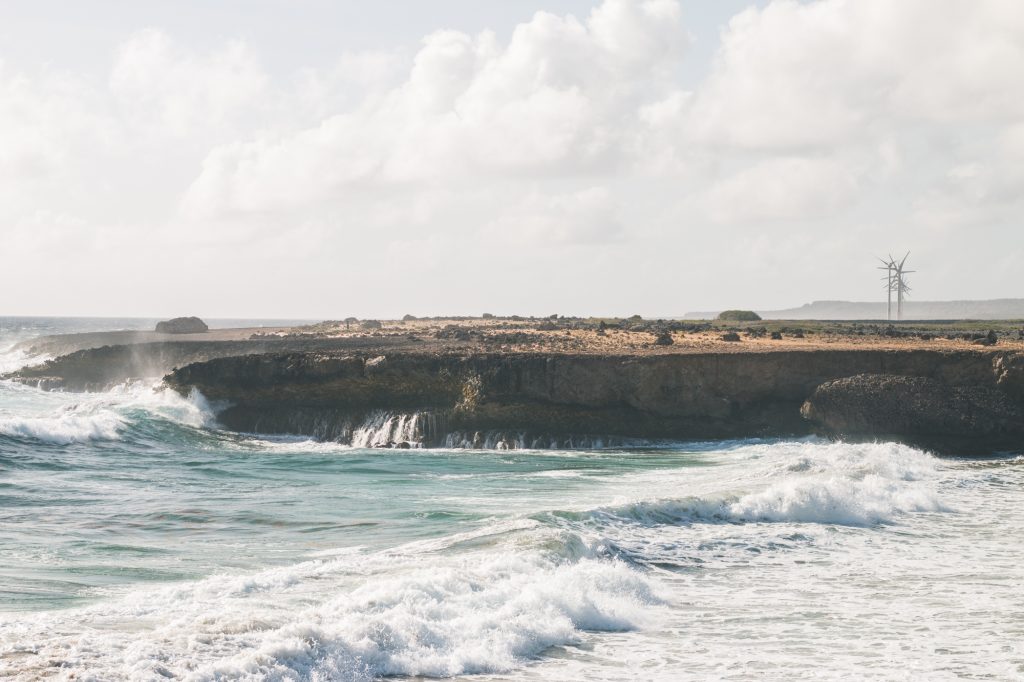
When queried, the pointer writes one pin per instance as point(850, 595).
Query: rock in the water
point(918, 410)
point(182, 325)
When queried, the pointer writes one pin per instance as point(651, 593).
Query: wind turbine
point(894, 281)
point(901, 285)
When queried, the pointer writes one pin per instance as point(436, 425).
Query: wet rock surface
point(918, 410)
point(952, 396)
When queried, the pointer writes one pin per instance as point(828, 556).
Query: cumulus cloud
point(820, 131)
point(157, 82)
point(585, 217)
point(797, 75)
point(785, 188)
point(561, 97)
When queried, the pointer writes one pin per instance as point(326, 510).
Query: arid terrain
point(633, 336)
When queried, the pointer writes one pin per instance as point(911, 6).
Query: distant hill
point(995, 309)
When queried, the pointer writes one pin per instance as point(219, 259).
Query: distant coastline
point(991, 309)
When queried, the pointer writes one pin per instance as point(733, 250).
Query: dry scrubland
point(636, 336)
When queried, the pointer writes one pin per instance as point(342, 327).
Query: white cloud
point(588, 216)
point(562, 97)
point(797, 75)
point(823, 132)
point(158, 83)
point(792, 188)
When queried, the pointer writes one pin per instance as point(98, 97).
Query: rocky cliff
point(550, 398)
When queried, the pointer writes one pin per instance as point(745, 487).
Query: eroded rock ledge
point(918, 410)
point(559, 396)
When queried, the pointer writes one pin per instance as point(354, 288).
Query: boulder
point(182, 325)
point(664, 339)
point(730, 336)
point(919, 411)
point(989, 339)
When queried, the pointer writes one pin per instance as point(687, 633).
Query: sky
point(309, 159)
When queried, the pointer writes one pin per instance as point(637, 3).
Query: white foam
point(65, 429)
point(798, 482)
point(318, 620)
point(14, 358)
point(846, 484)
point(382, 429)
point(79, 418)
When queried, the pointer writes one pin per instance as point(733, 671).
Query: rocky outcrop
point(98, 367)
point(182, 325)
point(685, 396)
point(918, 410)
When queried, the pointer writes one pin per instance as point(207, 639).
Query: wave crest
point(480, 614)
point(807, 482)
point(65, 429)
point(107, 416)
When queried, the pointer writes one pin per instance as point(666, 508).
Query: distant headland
point(992, 309)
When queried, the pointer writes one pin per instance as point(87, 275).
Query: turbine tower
point(895, 281)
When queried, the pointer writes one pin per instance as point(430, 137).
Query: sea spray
point(82, 418)
point(434, 616)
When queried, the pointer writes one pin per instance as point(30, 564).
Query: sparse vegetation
point(739, 316)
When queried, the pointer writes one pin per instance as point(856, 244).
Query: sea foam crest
point(810, 482)
point(106, 416)
point(64, 429)
point(480, 614)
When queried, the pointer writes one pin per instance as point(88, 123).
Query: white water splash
point(483, 614)
point(64, 429)
point(63, 419)
point(386, 429)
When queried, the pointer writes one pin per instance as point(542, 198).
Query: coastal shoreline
point(516, 383)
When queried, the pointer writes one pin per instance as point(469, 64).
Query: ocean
point(139, 541)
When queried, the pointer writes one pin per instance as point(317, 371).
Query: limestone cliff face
point(919, 410)
point(713, 395)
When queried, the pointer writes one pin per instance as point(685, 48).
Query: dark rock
point(182, 325)
point(730, 336)
point(454, 332)
point(664, 339)
point(666, 395)
point(989, 339)
point(371, 324)
point(917, 410)
point(776, 336)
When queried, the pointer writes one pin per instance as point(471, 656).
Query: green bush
point(739, 316)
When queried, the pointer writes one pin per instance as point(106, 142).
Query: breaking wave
point(64, 429)
point(842, 484)
point(106, 416)
point(487, 613)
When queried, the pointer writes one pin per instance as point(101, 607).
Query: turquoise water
point(140, 541)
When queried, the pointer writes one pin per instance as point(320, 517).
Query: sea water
point(140, 541)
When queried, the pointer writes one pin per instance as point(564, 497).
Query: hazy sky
point(314, 159)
